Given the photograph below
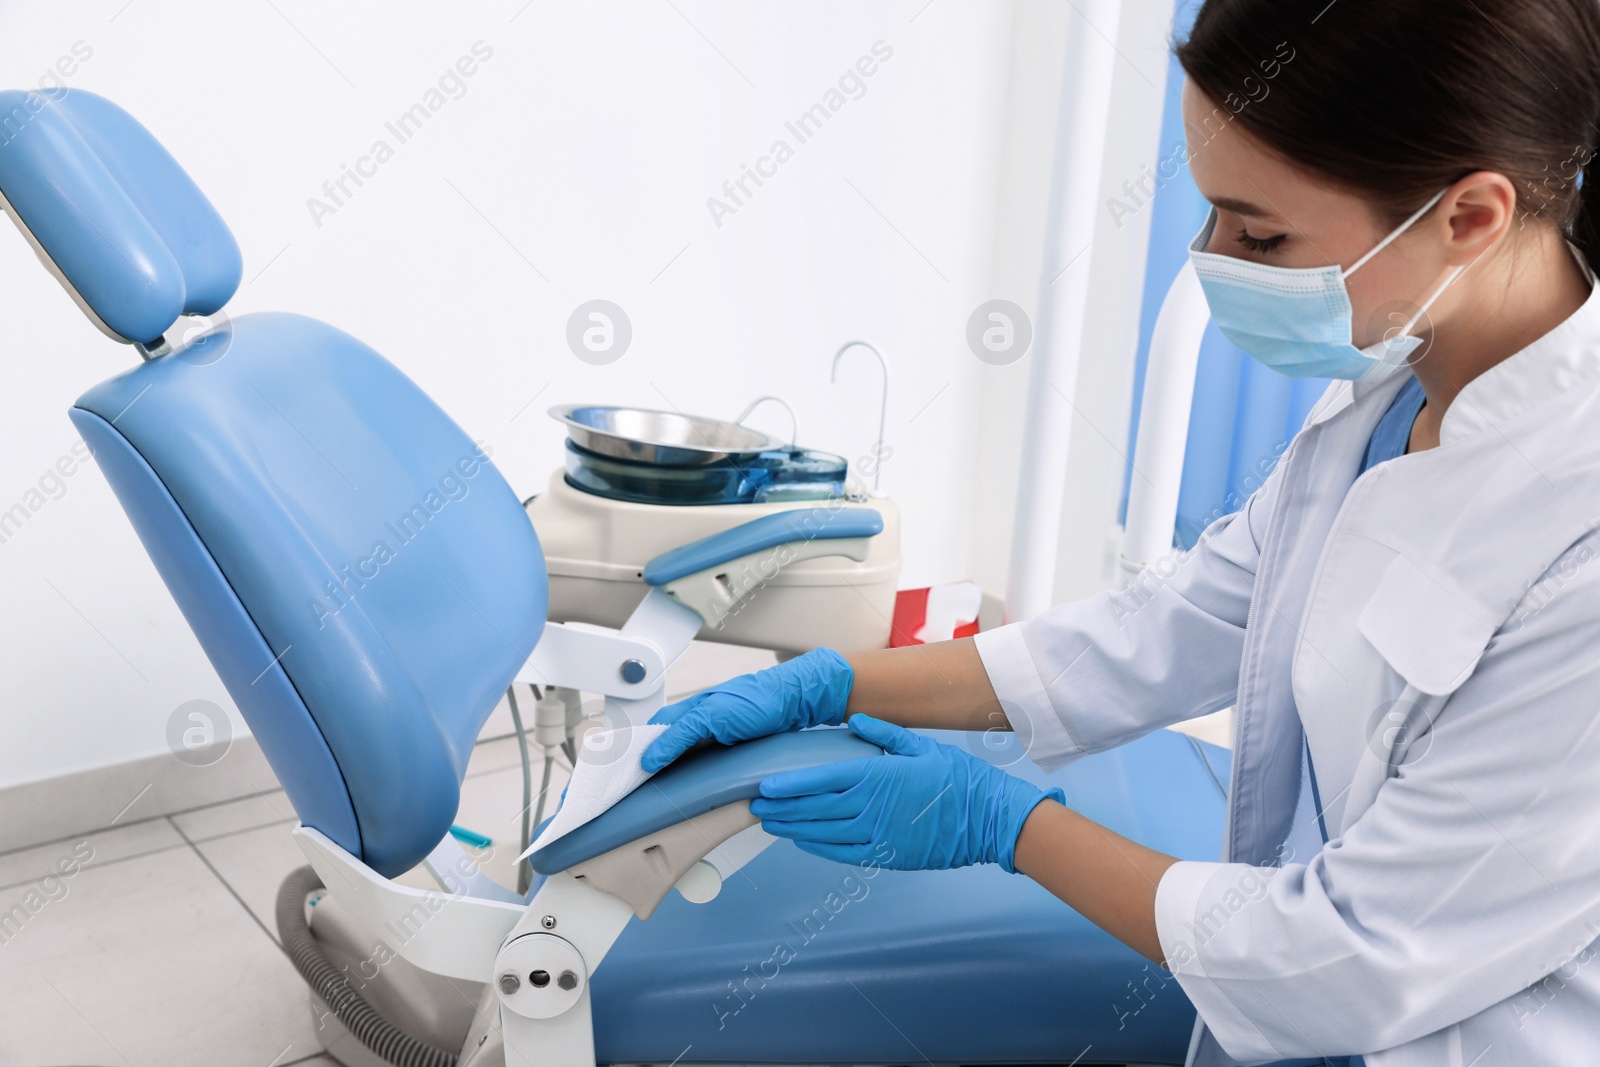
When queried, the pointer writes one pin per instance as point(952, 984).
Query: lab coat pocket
point(1426, 625)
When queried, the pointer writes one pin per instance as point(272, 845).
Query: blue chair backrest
point(360, 575)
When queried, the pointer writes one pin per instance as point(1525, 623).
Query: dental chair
point(367, 585)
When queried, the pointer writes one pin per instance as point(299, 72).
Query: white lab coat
point(1434, 627)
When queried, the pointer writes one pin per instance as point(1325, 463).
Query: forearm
point(941, 686)
point(1108, 879)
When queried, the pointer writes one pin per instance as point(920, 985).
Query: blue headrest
point(132, 238)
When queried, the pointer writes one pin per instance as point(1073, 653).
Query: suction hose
point(362, 1020)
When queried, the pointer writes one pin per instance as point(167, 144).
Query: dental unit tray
point(663, 457)
point(665, 480)
point(778, 475)
point(662, 438)
point(669, 929)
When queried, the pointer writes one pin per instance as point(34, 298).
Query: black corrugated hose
point(370, 1028)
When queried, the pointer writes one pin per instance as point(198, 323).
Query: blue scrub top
point(1393, 432)
point(1389, 439)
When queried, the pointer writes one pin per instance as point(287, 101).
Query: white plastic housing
point(596, 548)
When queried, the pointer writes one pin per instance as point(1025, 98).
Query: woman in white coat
point(1406, 616)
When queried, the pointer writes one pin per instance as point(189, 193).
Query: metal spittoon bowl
point(665, 438)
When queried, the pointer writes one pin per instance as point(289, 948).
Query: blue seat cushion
point(801, 960)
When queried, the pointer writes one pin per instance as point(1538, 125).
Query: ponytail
point(1584, 227)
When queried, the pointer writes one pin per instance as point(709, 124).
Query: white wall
point(1101, 407)
point(577, 164)
point(1104, 400)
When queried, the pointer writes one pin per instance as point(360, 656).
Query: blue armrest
point(800, 524)
point(694, 784)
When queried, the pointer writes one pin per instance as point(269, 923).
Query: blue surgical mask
point(1298, 320)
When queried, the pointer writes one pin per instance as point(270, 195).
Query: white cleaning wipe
point(607, 770)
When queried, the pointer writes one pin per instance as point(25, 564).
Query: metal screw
point(548, 922)
point(540, 979)
point(568, 980)
point(632, 671)
point(509, 983)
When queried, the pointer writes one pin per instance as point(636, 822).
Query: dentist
point(1405, 616)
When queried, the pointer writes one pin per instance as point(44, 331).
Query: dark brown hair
point(1396, 99)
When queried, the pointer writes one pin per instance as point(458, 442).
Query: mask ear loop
point(1405, 331)
point(1455, 272)
point(1404, 226)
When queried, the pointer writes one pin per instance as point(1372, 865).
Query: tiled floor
point(159, 948)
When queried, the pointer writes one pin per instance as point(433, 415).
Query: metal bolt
point(568, 980)
point(509, 983)
point(540, 979)
point(548, 922)
point(632, 671)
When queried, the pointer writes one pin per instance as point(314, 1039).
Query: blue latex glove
point(809, 690)
point(935, 806)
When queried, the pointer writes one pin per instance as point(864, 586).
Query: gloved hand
point(935, 806)
point(809, 690)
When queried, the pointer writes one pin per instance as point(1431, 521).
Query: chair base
point(429, 1007)
point(338, 1043)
